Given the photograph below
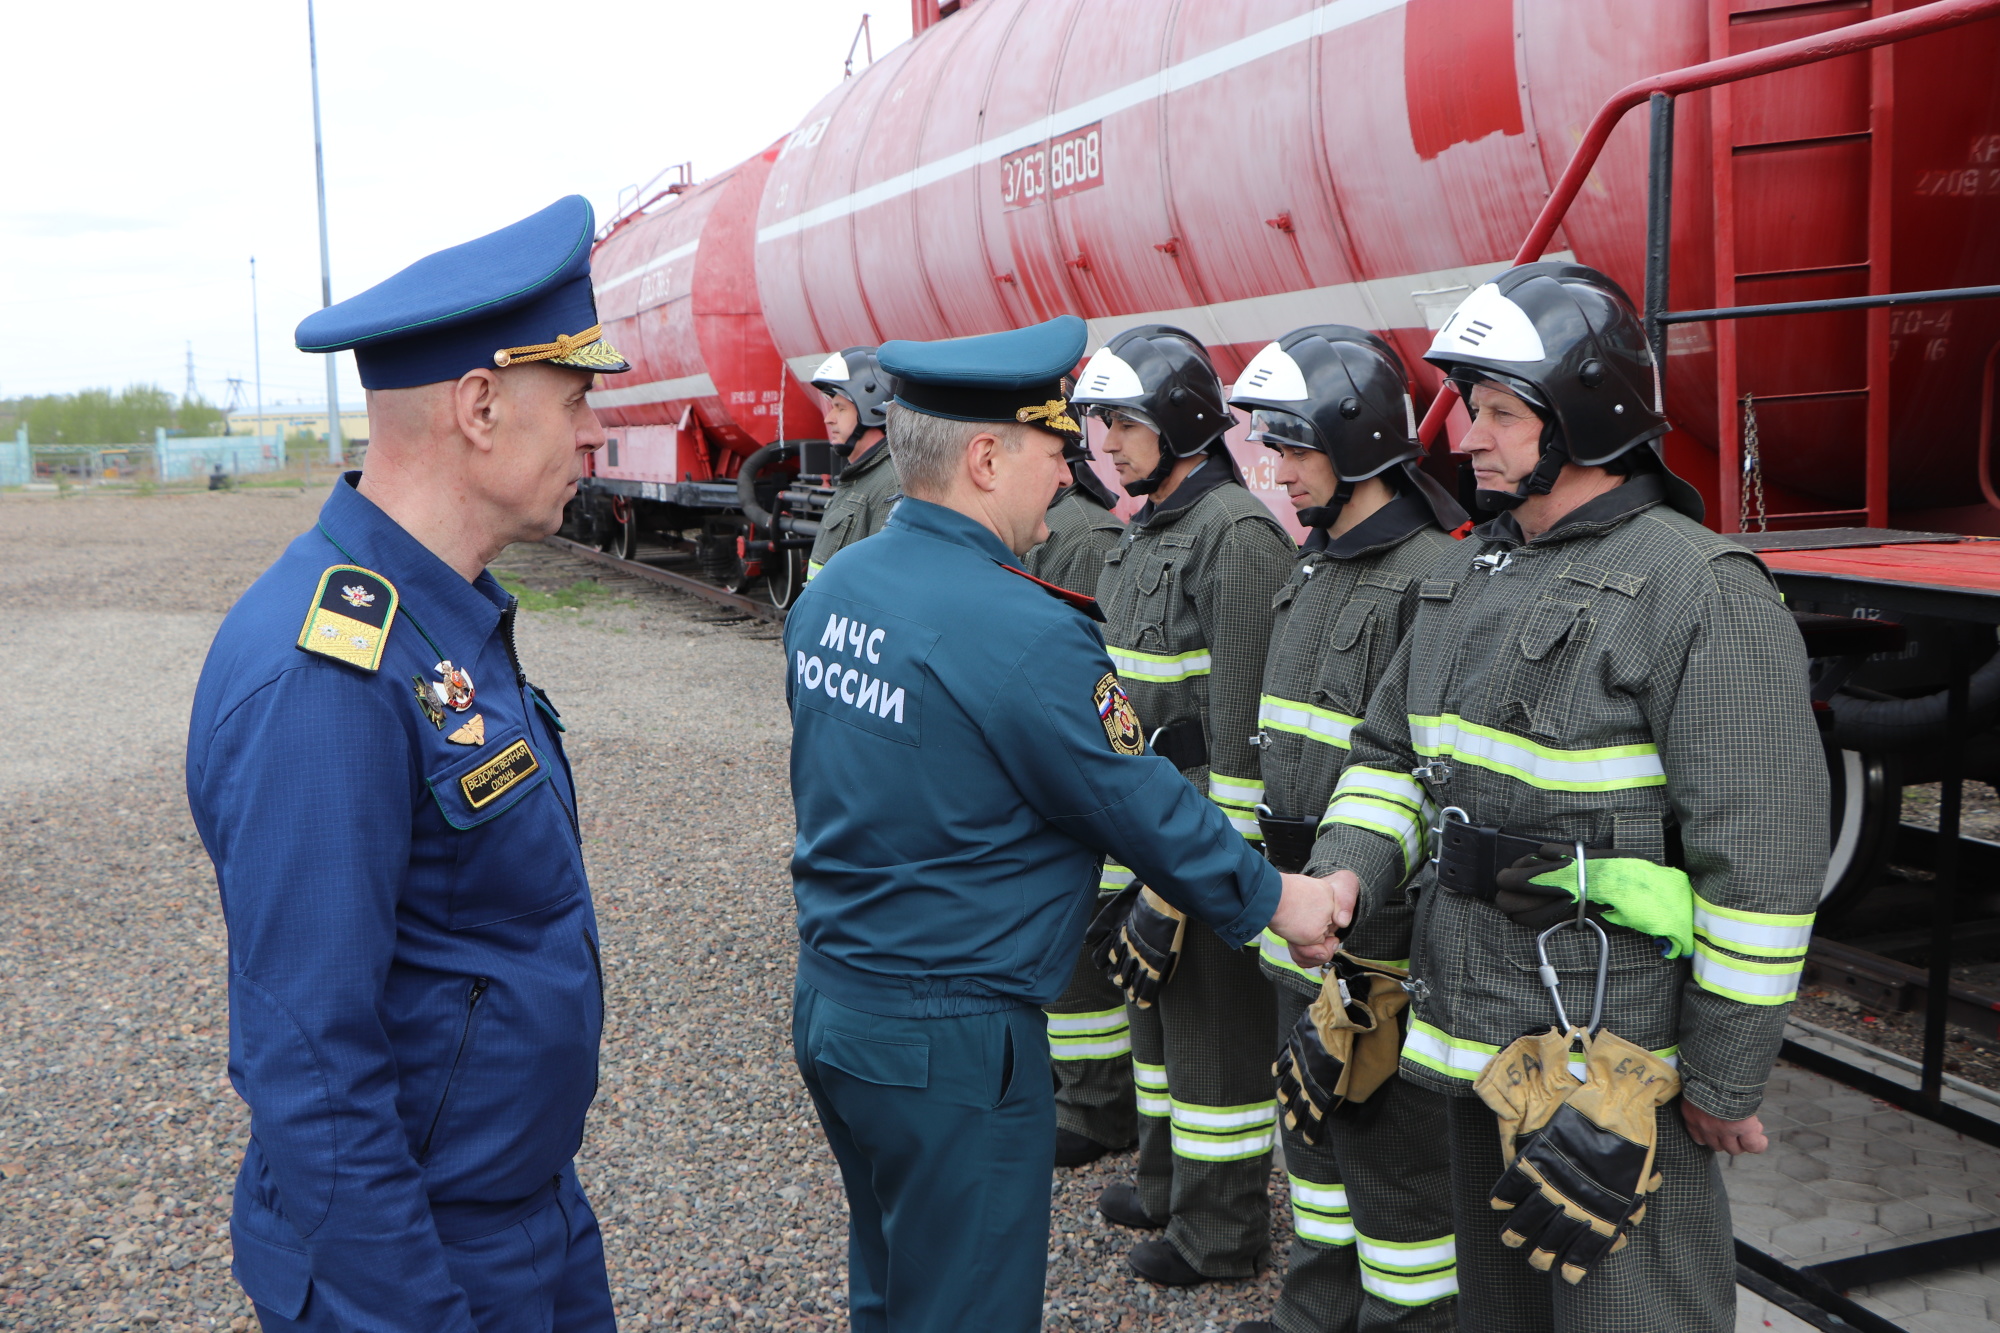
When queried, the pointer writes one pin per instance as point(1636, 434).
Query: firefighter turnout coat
point(863, 495)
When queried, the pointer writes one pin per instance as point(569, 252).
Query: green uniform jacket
point(862, 499)
point(1339, 619)
point(1081, 531)
point(1630, 679)
point(1187, 607)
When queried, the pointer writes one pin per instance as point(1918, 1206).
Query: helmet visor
point(1107, 413)
point(1279, 430)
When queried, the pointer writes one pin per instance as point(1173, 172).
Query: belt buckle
point(1437, 829)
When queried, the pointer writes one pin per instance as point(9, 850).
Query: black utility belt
point(1468, 856)
point(1288, 842)
point(1184, 744)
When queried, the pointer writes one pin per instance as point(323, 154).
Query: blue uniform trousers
point(945, 1133)
point(543, 1274)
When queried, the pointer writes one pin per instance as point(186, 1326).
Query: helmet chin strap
point(1547, 468)
point(1146, 485)
point(1324, 516)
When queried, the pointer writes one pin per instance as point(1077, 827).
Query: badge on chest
point(499, 775)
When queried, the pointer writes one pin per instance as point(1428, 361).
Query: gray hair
point(926, 449)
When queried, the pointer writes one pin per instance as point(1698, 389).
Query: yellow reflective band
point(1225, 790)
point(813, 567)
point(1410, 1288)
point(1101, 1035)
point(1271, 947)
point(1394, 822)
point(1740, 979)
point(1160, 667)
point(1114, 878)
point(1223, 1133)
point(1612, 768)
point(1098, 1022)
point(1319, 1213)
point(1153, 1078)
point(1765, 934)
point(1240, 819)
point(1401, 788)
point(1409, 1256)
point(1150, 1087)
point(1434, 1048)
point(1315, 724)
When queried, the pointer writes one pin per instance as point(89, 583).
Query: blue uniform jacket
point(415, 999)
point(957, 781)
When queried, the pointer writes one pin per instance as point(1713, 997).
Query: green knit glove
point(1627, 891)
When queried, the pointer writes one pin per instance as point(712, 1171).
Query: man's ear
point(475, 402)
point(982, 460)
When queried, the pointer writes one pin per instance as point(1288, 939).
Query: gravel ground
point(119, 1133)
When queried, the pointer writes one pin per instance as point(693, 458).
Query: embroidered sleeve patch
point(499, 775)
point(350, 617)
point(1120, 719)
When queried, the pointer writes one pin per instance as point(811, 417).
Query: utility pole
point(334, 450)
point(256, 347)
point(189, 392)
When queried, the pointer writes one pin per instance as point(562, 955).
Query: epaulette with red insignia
point(1087, 605)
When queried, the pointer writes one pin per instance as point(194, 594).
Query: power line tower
point(190, 392)
point(235, 396)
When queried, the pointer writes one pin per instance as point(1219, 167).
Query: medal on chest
point(453, 688)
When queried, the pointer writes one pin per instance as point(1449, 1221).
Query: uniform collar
point(455, 616)
point(869, 461)
point(1211, 474)
point(934, 520)
point(1640, 491)
point(1393, 523)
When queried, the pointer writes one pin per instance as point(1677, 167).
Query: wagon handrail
point(1919, 22)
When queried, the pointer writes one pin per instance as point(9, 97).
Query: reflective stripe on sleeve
point(1161, 668)
point(1319, 1213)
point(1276, 953)
point(1225, 790)
point(1149, 1084)
point(1764, 934)
point(1301, 719)
point(1114, 878)
point(813, 567)
point(1399, 788)
point(1612, 768)
point(1223, 1133)
point(1101, 1035)
point(1393, 820)
point(1742, 979)
point(1409, 1273)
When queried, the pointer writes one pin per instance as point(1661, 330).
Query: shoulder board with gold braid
point(350, 616)
point(1087, 605)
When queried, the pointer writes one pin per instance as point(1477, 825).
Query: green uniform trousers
point(1677, 1275)
point(1371, 1209)
point(1201, 1057)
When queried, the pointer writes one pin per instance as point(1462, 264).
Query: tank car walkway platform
point(1847, 1177)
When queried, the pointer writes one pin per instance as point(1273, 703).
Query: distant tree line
point(102, 416)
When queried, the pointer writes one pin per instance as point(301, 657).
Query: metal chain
point(1752, 491)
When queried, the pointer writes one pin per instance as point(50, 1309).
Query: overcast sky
point(152, 149)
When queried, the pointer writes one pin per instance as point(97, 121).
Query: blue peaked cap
point(1020, 375)
point(516, 295)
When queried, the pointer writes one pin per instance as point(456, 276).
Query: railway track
point(762, 610)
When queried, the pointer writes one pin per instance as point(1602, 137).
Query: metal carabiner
point(1550, 981)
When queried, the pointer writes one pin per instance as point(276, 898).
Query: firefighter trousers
point(1677, 1275)
point(1201, 1060)
point(1090, 1043)
point(1372, 1240)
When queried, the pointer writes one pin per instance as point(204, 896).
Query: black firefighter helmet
point(854, 374)
point(1160, 376)
point(1566, 340)
point(1342, 391)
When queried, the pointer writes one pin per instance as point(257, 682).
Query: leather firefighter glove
point(1136, 941)
point(1344, 1047)
point(1538, 891)
point(1525, 1083)
point(1579, 1186)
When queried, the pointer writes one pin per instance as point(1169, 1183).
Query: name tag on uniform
point(498, 775)
point(862, 665)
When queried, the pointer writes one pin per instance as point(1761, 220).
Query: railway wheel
point(720, 561)
point(785, 578)
point(1866, 800)
point(618, 528)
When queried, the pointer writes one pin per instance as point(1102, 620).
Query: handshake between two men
point(1137, 936)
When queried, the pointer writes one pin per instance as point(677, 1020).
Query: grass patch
point(582, 593)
